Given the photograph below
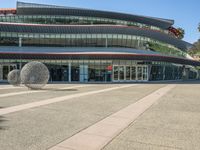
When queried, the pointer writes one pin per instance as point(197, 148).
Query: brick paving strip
point(100, 134)
point(38, 91)
point(13, 109)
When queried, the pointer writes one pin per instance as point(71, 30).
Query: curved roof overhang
point(38, 9)
point(142, 57)
point(92, 29)
point(95, 55)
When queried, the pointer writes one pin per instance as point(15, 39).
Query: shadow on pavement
point(54, 89)
point(174, 82)
point(139, 82)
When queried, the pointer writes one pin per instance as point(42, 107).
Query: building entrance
point(83, 73)
point(5, 69)
point(75, 73)
point(58, 72)
point(124, 73)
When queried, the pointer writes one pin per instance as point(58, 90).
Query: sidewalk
point(172, 124)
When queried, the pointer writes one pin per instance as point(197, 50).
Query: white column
point(20, 65)
point(69, 71)
point(106, 44)
point(164, 72)
point(20, 42)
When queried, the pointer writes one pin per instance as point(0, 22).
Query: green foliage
point(182, 33)
point(165, 50)
point(195, 48)
point(199, 27)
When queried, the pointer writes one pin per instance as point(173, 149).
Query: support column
point(164, 72)
point(149, 73)
point(20, 42)
point(20, 45)
point(106, 44)
point(20, 65)
point(184, 74)
point(69, 71)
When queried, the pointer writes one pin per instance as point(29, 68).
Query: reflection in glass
point(121, 72)
point(128, 75)
point(133, 73)
point(139, 73)
point(5, 72)
point(144, 73)
point(116, 73)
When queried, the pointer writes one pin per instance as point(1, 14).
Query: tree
point(199, 27)
point(195, 48)
point(181, 33)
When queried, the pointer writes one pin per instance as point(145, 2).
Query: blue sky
point(186, 13)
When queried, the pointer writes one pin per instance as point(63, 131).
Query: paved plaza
point(138, 116)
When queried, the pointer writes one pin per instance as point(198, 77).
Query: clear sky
point(186, 13)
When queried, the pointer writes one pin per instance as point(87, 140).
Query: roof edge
point(36, 5)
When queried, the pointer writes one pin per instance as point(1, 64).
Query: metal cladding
point(92, 29)
point(34, 75)
point(38, 9)
point(14, 77)
point(153, 29)
point(89, 53)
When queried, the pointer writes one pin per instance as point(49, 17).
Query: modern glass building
point(83, 45)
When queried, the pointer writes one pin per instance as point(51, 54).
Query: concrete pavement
point(45, 126)
point(171, 123)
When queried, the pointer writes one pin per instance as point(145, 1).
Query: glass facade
point(130, 73)
point(74, 20)
point(104, 70)
point(166, 72)
point(87, 40)
point(139, 33)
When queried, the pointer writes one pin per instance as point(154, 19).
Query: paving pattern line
point(38, 91)
point(6, 87)
point(101, 133)
point(13, 109)
point(17, 93)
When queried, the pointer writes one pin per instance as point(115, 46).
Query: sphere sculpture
point(14, 77)
point(34, 75)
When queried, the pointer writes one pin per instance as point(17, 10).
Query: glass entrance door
point(145, 73)
point(139, 73)
point(75, 73)
point(121, 73)
point(5, 72)
point(83, 73)
point(58, 72)
point(133, 73)
point(5, 69)
point(130, 73)
point(116, 73)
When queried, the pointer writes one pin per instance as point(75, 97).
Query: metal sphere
point(14, 77)
point(34, 75)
